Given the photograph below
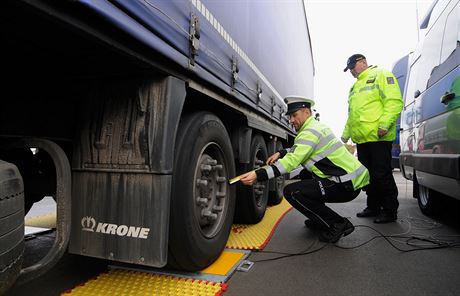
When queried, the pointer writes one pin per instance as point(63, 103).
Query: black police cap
point(351, 62)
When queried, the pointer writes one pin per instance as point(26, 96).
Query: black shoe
point(386, 217)
point(336, 231)
point(311, 224)
point(368, 213)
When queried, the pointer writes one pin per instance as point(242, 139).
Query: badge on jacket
point(371, 80)
point(390, 80)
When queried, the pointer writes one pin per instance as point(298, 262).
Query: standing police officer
point(335, 174)
point(374, 104)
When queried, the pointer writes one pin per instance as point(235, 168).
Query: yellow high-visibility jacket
point(320, 152)
point(374, 102)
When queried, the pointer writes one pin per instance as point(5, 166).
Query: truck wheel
point(11, 224)
point(251, 201)
point(275, 196)
point(203, 202)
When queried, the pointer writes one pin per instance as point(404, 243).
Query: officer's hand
point(382, 132)
point(271, 160)
point(248, 178)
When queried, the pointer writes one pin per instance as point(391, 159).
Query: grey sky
point(383, 31)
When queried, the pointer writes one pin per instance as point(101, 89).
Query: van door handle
point(447, 97)
point(417, 93)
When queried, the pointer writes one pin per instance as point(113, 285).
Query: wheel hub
point(210, 194)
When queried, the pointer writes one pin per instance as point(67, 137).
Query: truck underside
point(150, 147)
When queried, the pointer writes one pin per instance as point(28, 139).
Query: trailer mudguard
point(122, 170)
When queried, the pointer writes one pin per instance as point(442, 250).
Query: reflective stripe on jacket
point(319, 151)
point(374, 102)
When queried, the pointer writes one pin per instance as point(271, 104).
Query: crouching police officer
point(335, 174)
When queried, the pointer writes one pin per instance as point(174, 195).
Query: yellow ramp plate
point(128, 282)
point(257, 236)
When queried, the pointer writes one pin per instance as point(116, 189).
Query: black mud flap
point(122, 169)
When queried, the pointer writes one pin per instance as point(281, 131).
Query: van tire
point(428, 200)
point(11, 224)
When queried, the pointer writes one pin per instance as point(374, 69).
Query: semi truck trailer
point(133, 115)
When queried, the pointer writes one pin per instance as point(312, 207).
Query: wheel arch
point(241, 122)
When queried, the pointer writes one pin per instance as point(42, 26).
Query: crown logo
point(88, 223)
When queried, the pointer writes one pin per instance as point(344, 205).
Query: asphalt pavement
point(373, 260)
point(363, 263)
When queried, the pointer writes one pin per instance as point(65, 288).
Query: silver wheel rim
point(259, 187)
point(210, 191)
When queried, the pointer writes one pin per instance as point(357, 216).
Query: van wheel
point(203, 202)
point(428, 200)
point(275, 196)
point(11, 224)
point(251, 201)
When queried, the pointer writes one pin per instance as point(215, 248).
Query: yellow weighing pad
point(225, 263)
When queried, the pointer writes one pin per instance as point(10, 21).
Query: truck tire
point(202, 202)
point(11, 224)
point(251, 201)
point(275, 196)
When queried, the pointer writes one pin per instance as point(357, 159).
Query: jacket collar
point(306, 123)
point(366, 72)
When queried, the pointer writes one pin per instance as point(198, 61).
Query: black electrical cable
point(436, 244)
point(287, 255)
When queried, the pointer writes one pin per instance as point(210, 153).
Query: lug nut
point(206, 167)
point(202, 182)
point(209, 215)
point(202, 201)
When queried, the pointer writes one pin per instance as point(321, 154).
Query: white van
point(430, 120)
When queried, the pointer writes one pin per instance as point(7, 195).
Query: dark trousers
point(309, 196)
point(382, 193)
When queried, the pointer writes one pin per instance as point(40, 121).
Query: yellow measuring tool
point(237, 178)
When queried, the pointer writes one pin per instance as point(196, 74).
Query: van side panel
point(430, 139)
